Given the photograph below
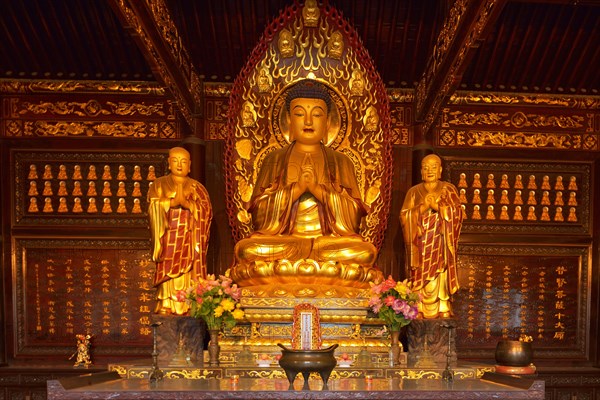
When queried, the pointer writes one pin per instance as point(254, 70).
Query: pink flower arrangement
point(216, 301)
point(395, 303)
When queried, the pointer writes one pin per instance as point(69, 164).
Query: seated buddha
point(306, 208)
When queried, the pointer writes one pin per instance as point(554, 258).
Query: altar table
point(268, 388)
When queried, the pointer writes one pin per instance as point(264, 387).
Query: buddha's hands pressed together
point(308, 180)
point(180, 199)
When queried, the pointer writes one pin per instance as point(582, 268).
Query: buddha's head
point(179, 162)
point(308, 104)
point(431, 168)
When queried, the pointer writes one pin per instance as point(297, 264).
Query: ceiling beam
point(465, 27)
point(153, 28)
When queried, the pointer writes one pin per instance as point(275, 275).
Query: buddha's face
point(179, 163)
point(309, 120)
point(431, 170)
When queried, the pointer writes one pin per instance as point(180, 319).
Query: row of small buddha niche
point(557, 215)
point(75, 205)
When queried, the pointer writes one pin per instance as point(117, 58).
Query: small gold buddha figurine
point(518, 182)
point(265, 80)
point(532, 184)
point(335, 45)
point(490, 197)
point(285, 43)
point(531, 200)
point(572, 199)
point(121, 174)
point(77, 208)
point(558, 215)
point(151, 173)
point(545, 198)
point(121, 208)
point(504, 197)
point(92, 173)
point(121, 192)
point(476, 213)
point(504, 182)
point(32, 188)
point(48, 205)
point(62, 205)
point(558, 200)
point(545, 183)
point(137, 173)
point(62, 172)
point(517, 215)
point(47, 189)
point(518, 199)
point(77, 173)
point(531, 214)
point(491, 184)
point(137, 192)
point(357, 83)
point(62, 188)
point(106, 174)
point(76, 189)
point(92, 189)
point(558, 185)
point(490, 213)
point(462, 180)
point(92, 206)
point(572, 183)
point(476, 181)
point(310, 13)
point(462, 196)
point(504, 213)
point(106, 189)
point(464, 211)
point(47, 172)
point(33, 207)
point(476, 197)
point(545, 215)
point(32, 172)
point(106, 207)
point(248, 115)
point(137, 208)
point(371, 119)
point(572, 215)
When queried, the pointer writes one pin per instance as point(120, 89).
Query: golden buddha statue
point(180, 214)
point(431, 220)
point(306, 208)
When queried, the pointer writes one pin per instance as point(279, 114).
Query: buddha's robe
point(306, 228)
point(431, 240)
point(179, 239)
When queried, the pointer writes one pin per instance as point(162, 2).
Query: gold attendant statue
point(180, 214)
point(306, 208)
point(431, 219)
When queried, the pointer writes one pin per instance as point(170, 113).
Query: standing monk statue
point(431, 219)
point(180, 214)
point(306, 205)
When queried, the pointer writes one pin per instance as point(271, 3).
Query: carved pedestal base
point(190, 330)
point(427, 338)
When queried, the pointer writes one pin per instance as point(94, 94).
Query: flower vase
point(395, 348)
point(213, 347)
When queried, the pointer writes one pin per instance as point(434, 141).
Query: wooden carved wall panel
point(67, 287)
point(84, 188)
point(509, 290)
point(523, 197)
point(216, 106)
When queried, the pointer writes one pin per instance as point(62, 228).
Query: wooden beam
point(465, 27)
point(154, 30)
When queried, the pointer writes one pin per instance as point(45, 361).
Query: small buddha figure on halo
point(179, 213)
point(285, 43)
point(306, 204)
point(335, 45)
point(357, 83)
point(371, 120)
point(310, 13)
point(431, 220)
